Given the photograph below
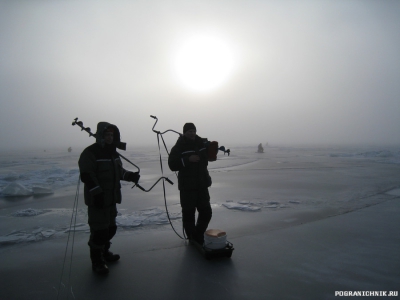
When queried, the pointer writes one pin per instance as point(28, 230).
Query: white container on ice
point(215, 239)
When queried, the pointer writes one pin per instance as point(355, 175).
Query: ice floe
point(147, 217)
point(16, 189)
point(244, 202)
point(79, 227)
point(24, 236)
point(257, 205)
point(29, 212)
point(271, 206)
point(242, 207)
point(47, 233)
point(152, 216)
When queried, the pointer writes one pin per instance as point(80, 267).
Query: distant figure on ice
point(260, 148)
point(69, 149)
point(189, 156)
point(101, 171)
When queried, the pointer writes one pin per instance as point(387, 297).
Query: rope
point(73, 221)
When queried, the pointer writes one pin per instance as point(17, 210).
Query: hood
point(101, 127)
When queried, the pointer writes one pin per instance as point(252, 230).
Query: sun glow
point(204, 63)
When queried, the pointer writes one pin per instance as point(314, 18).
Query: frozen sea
point(281, 187)
point(306, 223)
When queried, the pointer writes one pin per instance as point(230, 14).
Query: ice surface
point(251, 195)
point(283, 179)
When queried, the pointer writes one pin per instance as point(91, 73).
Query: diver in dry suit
point(189, 157)
point(101, 171)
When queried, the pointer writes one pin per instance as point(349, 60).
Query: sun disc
point(204, 63)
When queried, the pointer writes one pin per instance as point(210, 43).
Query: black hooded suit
point(101, 170)
point(193, 183)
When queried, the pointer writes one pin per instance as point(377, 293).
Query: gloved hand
point(212, 151)
point(98, 200)
point(132, 176)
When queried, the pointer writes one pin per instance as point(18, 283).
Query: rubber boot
point(199, 238)
point(108, 255)
point(203, 220)
point(98, 264)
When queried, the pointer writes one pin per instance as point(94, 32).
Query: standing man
point(101, 171)
point(189, 157)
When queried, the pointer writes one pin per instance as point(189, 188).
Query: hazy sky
point(321, 72)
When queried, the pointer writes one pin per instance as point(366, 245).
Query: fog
point(307, 72)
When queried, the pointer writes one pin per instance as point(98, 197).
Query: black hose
point(162, 171)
